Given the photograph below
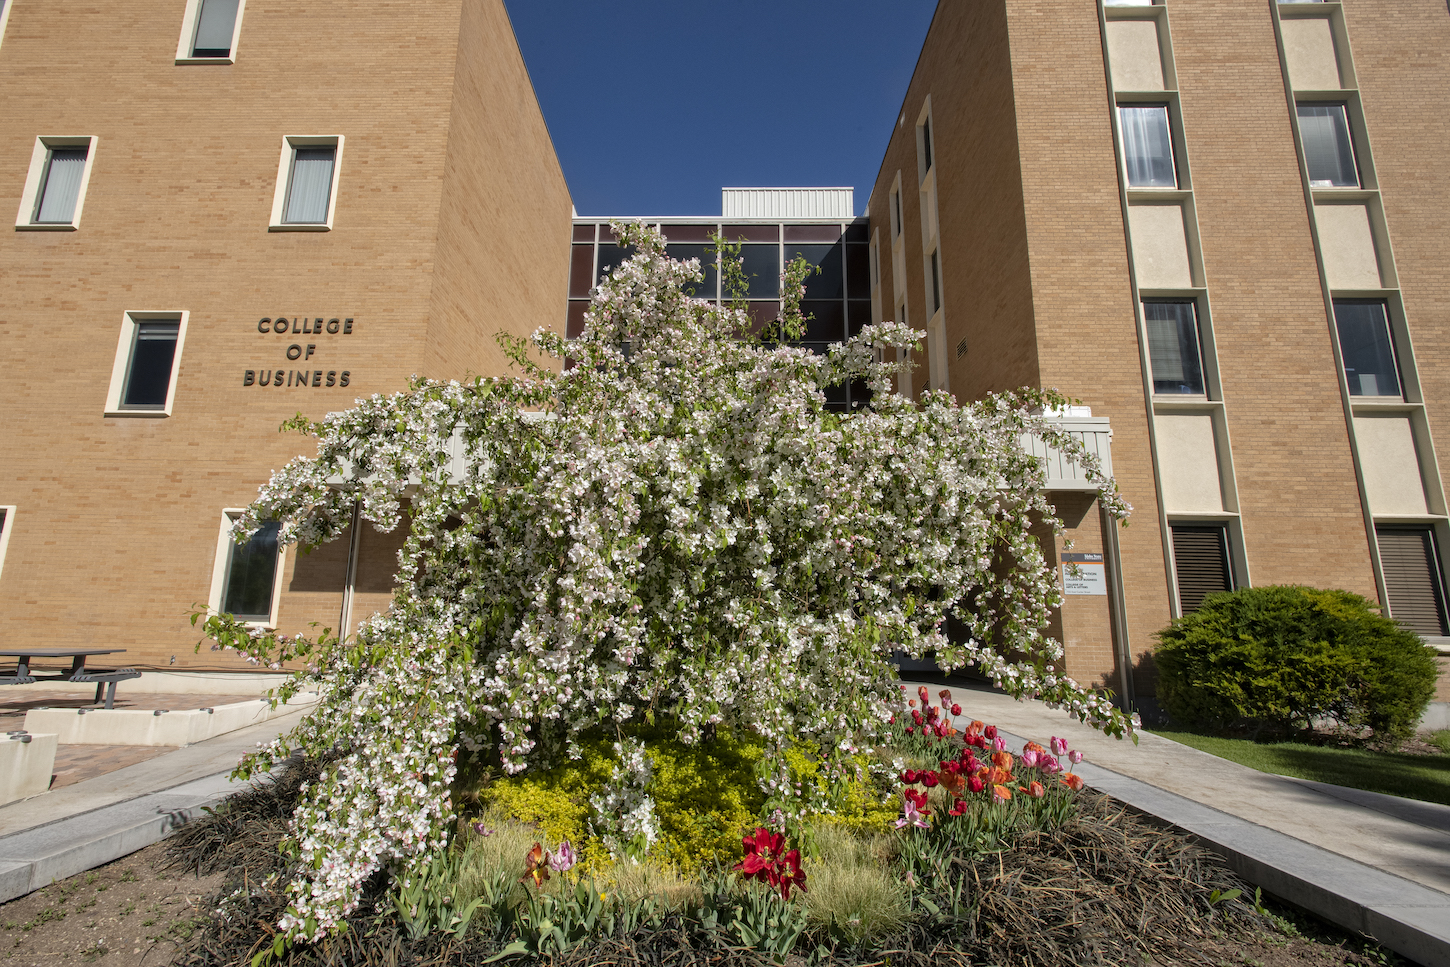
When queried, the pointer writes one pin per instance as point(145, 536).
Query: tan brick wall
point(1087, 341)
point(115, 533)
point(503, 231)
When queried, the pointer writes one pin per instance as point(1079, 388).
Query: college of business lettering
point(301, 352)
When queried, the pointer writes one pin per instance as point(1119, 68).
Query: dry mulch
point(1109, 889)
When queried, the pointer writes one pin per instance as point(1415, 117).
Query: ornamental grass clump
point(675, 529)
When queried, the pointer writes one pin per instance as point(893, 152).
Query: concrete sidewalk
point(101, 819)
point(1372, 863)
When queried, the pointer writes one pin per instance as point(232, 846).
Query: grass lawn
point(1424, 777)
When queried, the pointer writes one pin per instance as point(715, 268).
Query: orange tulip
point(1072, 781)
point(1034, 747)
point(1035, 790)
point(535, 866)
point(1002, 760)
point(1001, 793)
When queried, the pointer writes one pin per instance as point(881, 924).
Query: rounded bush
point(1283, 657)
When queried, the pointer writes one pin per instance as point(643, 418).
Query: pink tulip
point(563, 858)
point(1059, 746)
point(1075, 756)
point(999, 744)
point(1030, 759)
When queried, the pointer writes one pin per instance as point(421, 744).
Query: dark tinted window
point(148, 377)
point(828, 324)
point(828, 282)
point(1173, 347)
point(612, 255)
point(581, 271)
point(1368, 350)
point(250, 575)
point(704, 289)
point(858, 271)
point(762, 268)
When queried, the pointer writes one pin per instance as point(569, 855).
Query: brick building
point(1218, 225)
point(218, 227)
point(1216, 222)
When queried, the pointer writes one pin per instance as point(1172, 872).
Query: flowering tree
point(675, 529)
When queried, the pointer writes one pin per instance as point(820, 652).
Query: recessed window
point(244, 579)
point(896, 214)
point(1173, 347)
point(1410, 561)
point(926, 143)
point(1367, 348)
point(55, 187)
point(210, 30)
point(1147, 146)
point(1201, 563)
point(148, 358)
point(1328, 149)
point(306, 194)
point(935, 281)
point(7, 524)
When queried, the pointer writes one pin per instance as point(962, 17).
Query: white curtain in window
point(215, 25)
point(62, 186)
point(311, 185)
point(1147, 147)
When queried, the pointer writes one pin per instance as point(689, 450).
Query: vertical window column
point(1192, 453)
point(1401, 490)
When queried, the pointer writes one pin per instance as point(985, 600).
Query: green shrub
point(1281, 657)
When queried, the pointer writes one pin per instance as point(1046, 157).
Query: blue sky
point(655, 105)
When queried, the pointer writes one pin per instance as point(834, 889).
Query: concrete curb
point(1410, 919)
point(36, 857)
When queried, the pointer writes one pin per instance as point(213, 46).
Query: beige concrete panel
point(1389, 463)
point(1160, 249)
point(1347, 243)
point(1137, 62)
point(1309, 49)
point(1188, 463)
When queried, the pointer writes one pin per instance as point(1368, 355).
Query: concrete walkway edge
point(1410, 919)
point(36, 857)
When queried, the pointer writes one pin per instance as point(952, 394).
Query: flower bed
point(953, 849)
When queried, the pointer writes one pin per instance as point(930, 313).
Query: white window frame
point(224, 545)
point(290, 144)
point(5, 6)
point(29, 200)
point(6, 526)
point(188, 35)
point(130, 322)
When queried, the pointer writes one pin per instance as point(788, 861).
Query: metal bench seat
point(104, 678)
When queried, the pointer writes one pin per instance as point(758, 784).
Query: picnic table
point(102, 678)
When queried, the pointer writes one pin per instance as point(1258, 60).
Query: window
point(935, 281)
point(1367, 348)
point(1173, 347)
point(306, 194)
point(926, 143)
point(55, 187)
point(1328, 150)
point(244, 579)
point(1416, 587)
point(896, 213)
point(209, 32)
point(7, 524)
point(1147, 146)
point(1201, 560)
point(148, 358)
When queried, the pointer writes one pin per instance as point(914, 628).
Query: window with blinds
point(1412, 578)
point(1200, 558)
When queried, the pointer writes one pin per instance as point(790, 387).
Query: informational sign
point(1084, 574)
point(308, 353)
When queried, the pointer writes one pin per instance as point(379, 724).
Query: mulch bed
point(1109, 889)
